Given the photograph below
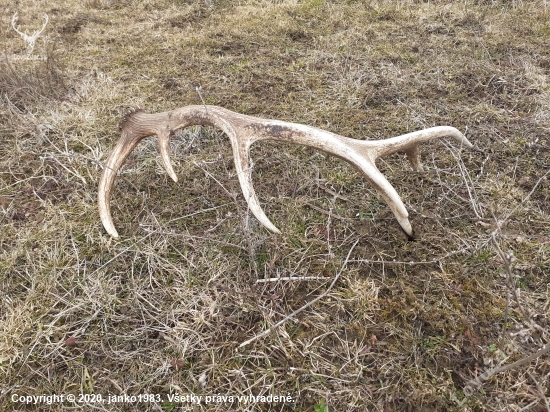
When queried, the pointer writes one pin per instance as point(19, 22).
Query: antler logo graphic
point(30, 40)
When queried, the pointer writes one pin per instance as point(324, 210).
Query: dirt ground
point(456, 320)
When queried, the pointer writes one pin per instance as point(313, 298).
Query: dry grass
point(163, 310)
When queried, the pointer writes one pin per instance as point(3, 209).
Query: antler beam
point(244, 130)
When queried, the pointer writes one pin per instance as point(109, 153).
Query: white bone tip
point(109, 227)
point(266, 222)
point(112, 231)
point(406, 226)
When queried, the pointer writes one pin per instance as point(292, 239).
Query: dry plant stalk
point(307, 305)
point(244, 130)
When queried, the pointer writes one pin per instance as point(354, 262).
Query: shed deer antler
point(244, 130)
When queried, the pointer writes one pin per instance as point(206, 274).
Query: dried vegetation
point(407, 326)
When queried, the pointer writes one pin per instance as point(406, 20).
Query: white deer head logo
point(30, 40)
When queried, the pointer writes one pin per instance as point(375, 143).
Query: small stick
point(542, 393)
point(198, 90)
point(322, 295)
point(292, 278)
point(521, 362)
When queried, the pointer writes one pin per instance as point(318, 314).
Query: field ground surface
point(457, 320)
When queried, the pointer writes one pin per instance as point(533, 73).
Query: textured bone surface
point(244, 130)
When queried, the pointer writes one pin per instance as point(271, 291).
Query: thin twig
point(198, 90)
point(541, 390)
point(121, 253)
point(467, 179)
point(522, 361)
point(322, 295)
point(508, 259)
point(528, 196)
point(292, 278)
point(412, 262)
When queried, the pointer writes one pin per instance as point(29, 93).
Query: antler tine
point(244, 130)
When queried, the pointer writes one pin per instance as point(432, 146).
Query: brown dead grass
point(163, 309)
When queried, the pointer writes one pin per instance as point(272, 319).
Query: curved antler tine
point(241, 154)
point(386, 190)
point(116, 159)
point(164, 148)
point(407, 141)
point(413, 154)
point(130, 138)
